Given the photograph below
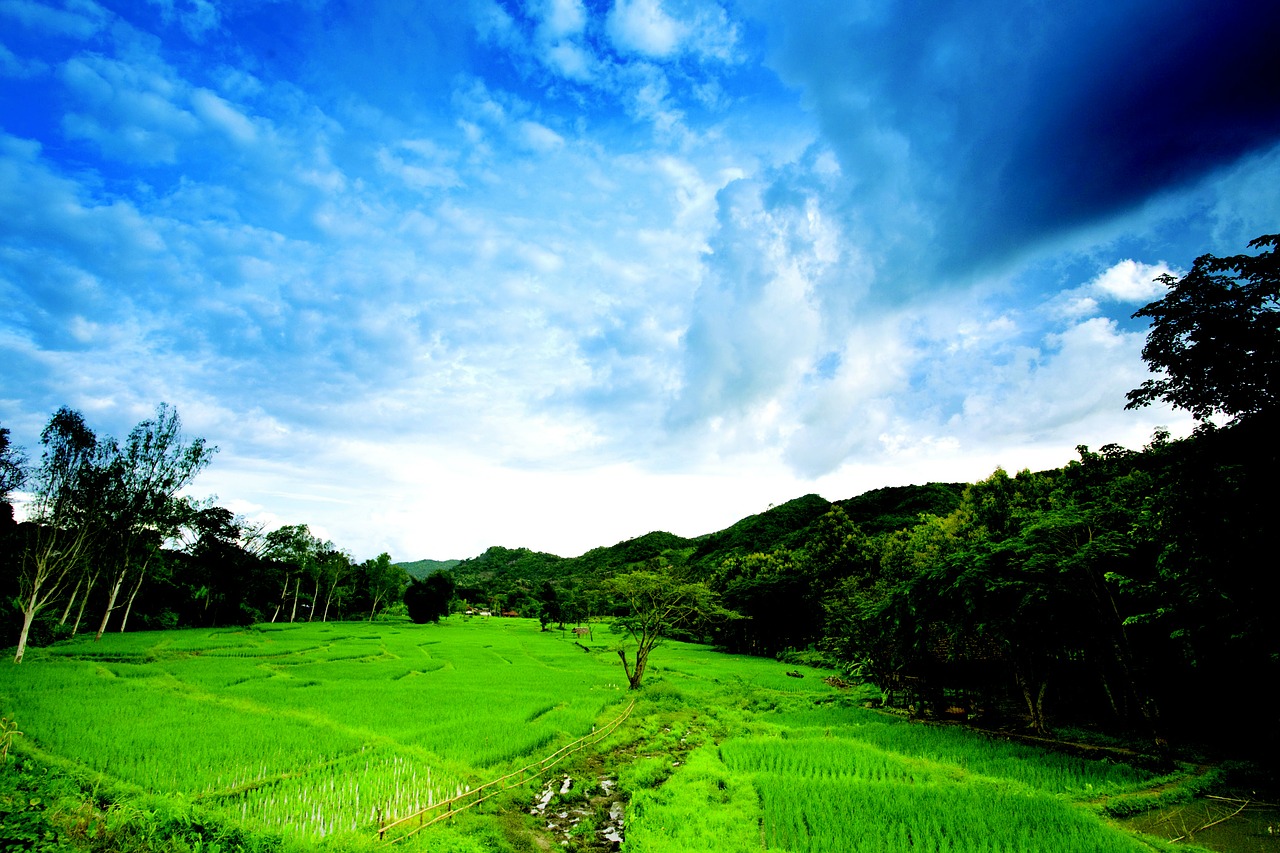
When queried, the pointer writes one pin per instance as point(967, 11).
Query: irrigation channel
point(399, 829)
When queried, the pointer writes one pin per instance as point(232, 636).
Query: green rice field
point(310, 734)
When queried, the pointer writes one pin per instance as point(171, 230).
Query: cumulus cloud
point(756, 321)
point(664, 30)
point(643, 26)
point(420, 164)
point(222, 116)
point(1131, 281)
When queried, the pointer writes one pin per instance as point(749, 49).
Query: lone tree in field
point(656, 603)
point(1215, 337)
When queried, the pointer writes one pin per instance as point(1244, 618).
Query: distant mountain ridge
point(782, 526)
point(422, 568)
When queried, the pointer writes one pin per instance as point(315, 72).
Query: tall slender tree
point(146, 475)
point(65, 515)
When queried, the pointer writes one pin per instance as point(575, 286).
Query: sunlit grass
point(319, 731)
point(313, 729)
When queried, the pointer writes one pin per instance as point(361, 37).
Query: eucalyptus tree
point(333, 569)
point(64, 514)
point(296, 549)
point(142, 503)
point(385, 582)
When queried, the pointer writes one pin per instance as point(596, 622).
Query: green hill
point(784, 526)
point(422, 568)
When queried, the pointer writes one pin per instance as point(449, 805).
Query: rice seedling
point(320, 731)
point(310, 729)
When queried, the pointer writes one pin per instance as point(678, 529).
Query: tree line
point(109, 542)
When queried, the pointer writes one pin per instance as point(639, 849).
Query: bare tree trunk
point(634, 675)
point(66, 611)
point(1135, 697)
point(284, 596)
point(296, 587)
point(111, 602)
point(75, 629)
point(28, 614)
point(44, 573)
point(311, 614)
point(129, 607)
point(1034, 700)
point(328, 597)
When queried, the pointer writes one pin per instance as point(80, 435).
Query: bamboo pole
point(554, 758)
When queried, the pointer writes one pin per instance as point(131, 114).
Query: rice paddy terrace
point(313, 736)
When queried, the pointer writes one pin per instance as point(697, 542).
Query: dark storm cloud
point(970, 131)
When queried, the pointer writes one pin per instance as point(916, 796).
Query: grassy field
point(303, 736)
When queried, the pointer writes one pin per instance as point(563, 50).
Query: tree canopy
point(654, 601)
point(1215, 336)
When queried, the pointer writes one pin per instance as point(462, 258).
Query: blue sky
point(554, 274)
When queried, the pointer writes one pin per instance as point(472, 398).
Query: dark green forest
point(1132, 590)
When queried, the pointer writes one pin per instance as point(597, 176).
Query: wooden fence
point(448, 808)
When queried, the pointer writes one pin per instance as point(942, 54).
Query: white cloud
point(570, 60)
point(222, 115)
point(430, 167)
point(642, 26)
point(539, 137)
point(1131, 281)
point(559, 19)
point(197, 17)
point(129, 110)
point(662, 30)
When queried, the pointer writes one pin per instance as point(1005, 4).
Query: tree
point(333, 568)
point(778, 597)
point(64, 512)
point(1215, 337)
point(142, 499)
point(657, 602)
point(386, 582)
point(295, 548)
point(226, 580)
point(428, 599)
point(549, 606)
point(13, 471)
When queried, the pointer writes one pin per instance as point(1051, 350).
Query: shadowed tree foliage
point(428, 599)
point(13, 473)
point(1215, 336)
